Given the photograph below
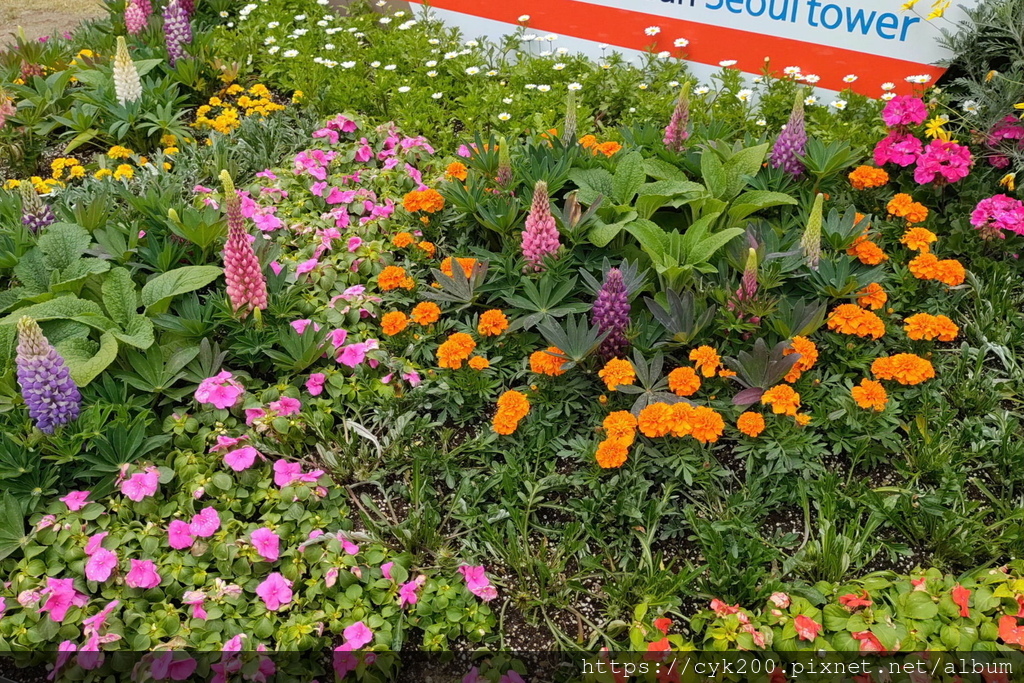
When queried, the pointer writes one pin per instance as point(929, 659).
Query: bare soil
point(39, 18)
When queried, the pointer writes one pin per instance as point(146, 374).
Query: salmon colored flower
point(870, 394)
point(905, 368)
point(492, 323)
point(867, 177)
point(457, 348)
point(782, 399)
point(918, 239)
point(684, 381)
point(872, 296)
point(808, 357)
point(394, 277)
point(924, 326)
point(617, 372)
point(751, 424)
point(548, 362)
point(393, 323)
point(426, 313)
point(706, 359)
point(851, 319)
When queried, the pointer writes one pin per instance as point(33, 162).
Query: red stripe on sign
point(708, 44)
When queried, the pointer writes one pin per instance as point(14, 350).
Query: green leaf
point(593, 182)
point(707, 248)
point(749, 202)
point(138, 332)
point(68, 279)
point(919, 605)
point(82, 138)
point(646, 205)
point(119, 296)
point(740, 167)
point(61, 307)
point(178, 281)
point(12, 297)
point(85, 359)
point(671, 188)
point(12, 525)
point(713, 172)
point(32, 272)
point(62, 244)
point(652, 238)
point(602, 233)
point(660, 169)
point(629, 177)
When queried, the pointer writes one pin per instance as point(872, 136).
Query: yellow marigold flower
point(707, 424)
point(119, 152)
point(782, 399)
point(867, 177)
point(924, 326)
point(751, 424)
point(927, 266)
point(457, 348)
point(403, 239)
point(851, 319)
point(684, 381)
point(426, 313)
point(170, 151)
point(394, 277)
point(546, 362)
point(168, 140)
point(870, 394)
point(492, 323)
point(706, 359)
point(587, 141)
point(467, 264)
point(297, 96)
point(102, 173)
point(872, 296)
point(456, 171)
point(479, 363)
point(867, 252)
point(808, 357)
point(77, 171)
point(802, 419)
point(656, 419)
point(617, 372)
point(12, 184)
point(905, 368)
point(393, 323)
point(124, 171)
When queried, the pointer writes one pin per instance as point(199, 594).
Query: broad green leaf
point(648, 204)
point(659, 169)
point(82, 138)
point(629, 177)
point(62, 244)
point(86, 359)
point(119, 296)
point(671, 188)
point(11, 297)
point(59, 330)
point(602, 233)
point(697, 231)
point(32, 272)
point(593, 182)
point(919, 605)
point(144, 66)
point(713, 173)
point(12, 525)
point(749, 202)
point(61, 307)
point(707, 248)
point(138, 332)
point(652, 238)
point(68, 279)
point(178, 281)
point(740, 167)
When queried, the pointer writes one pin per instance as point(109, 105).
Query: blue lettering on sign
point(819, 14)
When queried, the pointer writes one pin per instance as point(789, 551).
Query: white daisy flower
point(810, 100)
point(374, 64)
point(791, 70)
point(472, 43)
point(812, 78)
point(643, 86)
point(849, 78)
point(434, 41)
point(437, 95)
point(431, 64)
point(558, 67)
point(761, 122)
point(385, 20)
point(492, 73)
point(451, 55)
point(652, 30)
point(347, 65)
point(273, 24)
point(504, 116)
point(673, 84)
point(329, 46)
point(300, 17)
point(530, 86)
point(472, 71)
point(321, 23)
point(888, 96)
point(544, 88)
point(432, 74)
point(664, 54)
point(273, 50)
point(920, 79)
point(523, 18)
point(269, 40)
point(702, 90)
point(838, 104)
point(970, 106)
point(506, 100)
point(680, 42)
point(888, 86)
point(727, 63)
point(744, 95)
point(574, 86)
point(404, 88)
point(290, 53)
point(390, 67)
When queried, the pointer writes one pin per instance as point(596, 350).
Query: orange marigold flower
point(546, 362)
point(867, 177)
point(587, 141)
point(621, 425)
point(466, 263)
point(872, 296)
point(617, 372)
point(684, 381)
point(708, 425)
point(681, 415)
point(456, 170)
point(927, 266)
point(657, 419)
point(608, 148)
point(782, 398)
point(851, 319)
point(394, 322)
point(426, 313)
point(394, 277)
point(870, 394)
point(905, 368)
point(918, 239)
point(454, 350)
point(751, 424)
point(428, 247)
point(492, 323)
point(725, 372)
point(898, 205)
point(923, 266)
point(867, 252)
point(479, 363)
point(916, 213)
point(808, 357)
point(513, 406)
point(612, 453)
point(403, 239)
point(706, 359)
point(802, 419)
point(925, 326)
point(428, 200)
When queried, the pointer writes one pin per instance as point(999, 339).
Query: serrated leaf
point(85, 359)
point(629, 177)
point(62, 244)
point(671, 188)
point(68, 279)
point(659, 169)
point(740, 167)
point(593, 183)
point(119, 296)
point(178, 281)
point(61, 307)
point(138, 332)
point(11, 297)
point(32, 272)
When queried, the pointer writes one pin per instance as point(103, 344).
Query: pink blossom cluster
point(904, 110)
point(1007, 134)
point(331, 129)
point(898, 148)
point(947, 160)
point(998, 213)
point(222, 391)
point(477, 582)
point(314, 162)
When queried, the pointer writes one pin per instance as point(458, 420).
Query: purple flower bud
point(35, 213)
point(792, 141)
point(611, 314)
point(677, 130)
point(46, 385)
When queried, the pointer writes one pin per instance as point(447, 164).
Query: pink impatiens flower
point(222, 390)
point(478, 583)
point(76, 500)
point(287, 473)
point(141, 484)
point(224, 442)
point(306, 266)
point(286, 406)
point(94, 543)
point(300, 325)
point(195, 600)
point(143, 574)
point(241, 458)
point(100, 565)
point(62, 596)
point(267, 543)
point(315, 383)
point(166, 667)
point(357, 635)
point(407, 591)
point(179, 535)
point(205, 523)
point(275, 591)
point(386, 569)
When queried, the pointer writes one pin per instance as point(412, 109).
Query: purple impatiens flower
point(46, 385)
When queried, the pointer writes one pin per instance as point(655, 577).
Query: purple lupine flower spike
point(35, 213)
point(792, 141)
point(46, 385)
point(677, 130)
point(611, 313)
point(177, 30)
point(541, 235)
point(189, 6)
point(247, 285)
